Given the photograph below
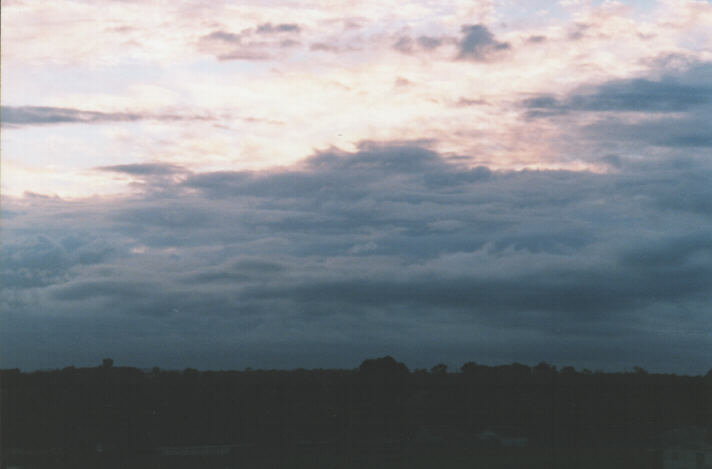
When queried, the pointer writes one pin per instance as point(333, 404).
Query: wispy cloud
point(44, 115)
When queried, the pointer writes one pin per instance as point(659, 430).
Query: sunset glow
point(232, 178)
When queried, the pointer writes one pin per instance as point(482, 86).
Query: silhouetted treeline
point(126, 409)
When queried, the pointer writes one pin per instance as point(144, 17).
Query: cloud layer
point(391, 248)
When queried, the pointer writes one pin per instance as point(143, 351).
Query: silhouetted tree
point(131, 410)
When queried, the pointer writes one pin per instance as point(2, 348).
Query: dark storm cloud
point(391, 248)
point(478, 43)
point(17, 116)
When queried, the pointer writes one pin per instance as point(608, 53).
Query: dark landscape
point(379, 415)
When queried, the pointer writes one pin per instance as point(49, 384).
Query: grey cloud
point(144, 169)
point(543, 106)
point(663, 117)
point(39, 261)
point(579, 31)
point(404, 44)
point(670, 253)
point(28, 115)
point(638, 95)
point(429, 42)
point(560, 294)
point(408, 45)
point(536, 39)
point(116, 289)
point(237, 271)
point(679, 92)
point(17, 116)
point(392, 247)
point(692, 131)
point(249, 44)
point(269, 28)
point(224, 36)
point(478, 43)
point(151, 178)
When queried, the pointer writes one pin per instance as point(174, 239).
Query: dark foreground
point(379, 415)
point(406, 458)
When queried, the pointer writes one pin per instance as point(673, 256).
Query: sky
point(310, 183)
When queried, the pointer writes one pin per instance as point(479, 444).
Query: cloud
point(404, 44)
point(144, 169)
point(638, 95)
point(29, 115)
point(680, 91)
point(17, 116)
point(258, 43)
point(409, 45)
point(322, 46)
point(224, 36)
point(464, 102)
point(429, 42)
point(665, 116)
point(478, 43)
point(692, 131)
point(391, 247)
point(269, 28)
point(537, 39)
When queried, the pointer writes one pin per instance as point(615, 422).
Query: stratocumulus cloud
point(387, 248)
